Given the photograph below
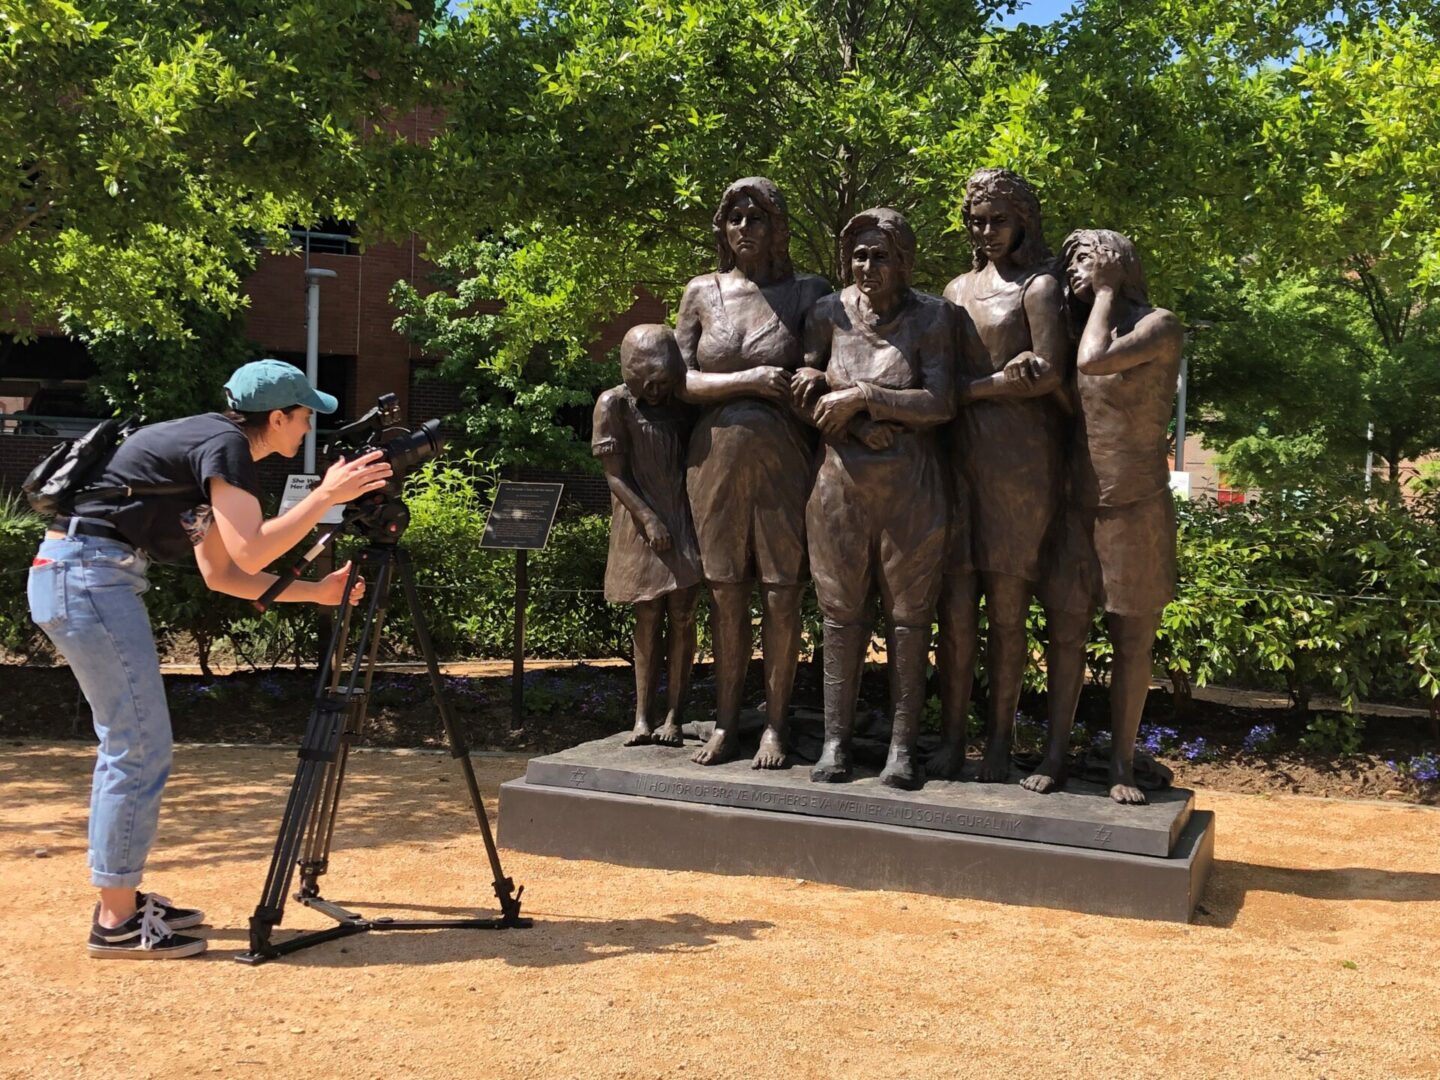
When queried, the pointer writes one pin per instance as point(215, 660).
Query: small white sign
point(297, 486)
point(1180, 484)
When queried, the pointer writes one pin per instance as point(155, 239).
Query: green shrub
point(20, 533)
point(1333, 595)
point(469, 591)
point(1334, 734)
point(1314, 596)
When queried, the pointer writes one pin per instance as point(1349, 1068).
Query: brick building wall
point(21, 453)
point(356, 316)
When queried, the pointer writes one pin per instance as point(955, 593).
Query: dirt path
point(1315, 956)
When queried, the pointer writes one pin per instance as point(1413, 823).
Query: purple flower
point(1260, 739)
point(1195, 750)
point(1158, 740)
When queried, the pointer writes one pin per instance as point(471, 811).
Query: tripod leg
point(316, 859)
point(505, 890)
point(323, 730)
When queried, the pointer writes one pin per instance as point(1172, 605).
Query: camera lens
point(407, 451)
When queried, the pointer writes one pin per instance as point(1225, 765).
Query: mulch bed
point(1213, 745)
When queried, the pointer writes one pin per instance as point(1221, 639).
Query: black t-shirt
point(193, 451)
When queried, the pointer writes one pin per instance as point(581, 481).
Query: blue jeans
point(85, 594)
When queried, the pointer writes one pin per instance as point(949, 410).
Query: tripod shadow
point(554, 941)
point(1232, 882)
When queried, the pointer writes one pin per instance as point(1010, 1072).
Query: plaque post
point(520, 521)
point(517, 664)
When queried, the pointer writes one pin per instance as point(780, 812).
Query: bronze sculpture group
point(1008, 440)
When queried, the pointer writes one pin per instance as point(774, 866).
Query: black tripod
point(338, 715)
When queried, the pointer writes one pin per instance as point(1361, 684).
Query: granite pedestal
point(1074, 849)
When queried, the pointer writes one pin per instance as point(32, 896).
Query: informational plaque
point(297, 486)
point(521, 516)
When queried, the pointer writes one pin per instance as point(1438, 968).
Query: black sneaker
point(177, 918)
point(143, 936)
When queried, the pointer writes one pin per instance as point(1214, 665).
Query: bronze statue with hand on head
point(1127, 366)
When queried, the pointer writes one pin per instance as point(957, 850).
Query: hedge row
point(1338, 597)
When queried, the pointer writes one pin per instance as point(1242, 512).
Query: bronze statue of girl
point(641, 434)
point(1127, 365)
point(1014, 352)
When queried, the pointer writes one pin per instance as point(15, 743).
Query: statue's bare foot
point(668, 734)
point(833, 766)
point(718, 749)
point(1122, 786)
point(771, 754)
point(1048, 776)
point(640, 734)
point(902, 771)
point(995, 765)
point(947, 762)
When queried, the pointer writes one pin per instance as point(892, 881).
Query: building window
point(329, 237)
point(337, 377)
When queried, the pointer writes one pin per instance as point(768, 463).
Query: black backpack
point(55, 484)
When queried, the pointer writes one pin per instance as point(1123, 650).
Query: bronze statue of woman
point(1127, 365)
point(878, 382)
point(1013, 355)
point(749, 467)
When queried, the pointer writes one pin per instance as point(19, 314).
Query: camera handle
point(284, 579)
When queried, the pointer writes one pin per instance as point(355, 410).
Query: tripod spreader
point(338, 715)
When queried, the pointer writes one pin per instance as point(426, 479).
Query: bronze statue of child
point(641, 434)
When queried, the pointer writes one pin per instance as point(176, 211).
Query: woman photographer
point(85, 587)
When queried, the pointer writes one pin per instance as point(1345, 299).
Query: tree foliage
point(1276, 163)
point(530, 412)
point(1292, 370)
point(149, 148)
point(1343, 291)
point(1181, 123)
point(161, 377)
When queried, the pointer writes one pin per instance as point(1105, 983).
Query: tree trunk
point(1182, 693)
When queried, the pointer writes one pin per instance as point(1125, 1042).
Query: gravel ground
point(1313, 956)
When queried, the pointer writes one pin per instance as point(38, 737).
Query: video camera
point(381, 515)
point(403, 452)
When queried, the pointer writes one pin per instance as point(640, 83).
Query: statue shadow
point(555, 940)
point(1232, 882)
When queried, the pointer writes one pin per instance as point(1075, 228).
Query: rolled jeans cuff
point(116, 881)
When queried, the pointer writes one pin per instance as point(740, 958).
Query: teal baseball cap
point(262, 385)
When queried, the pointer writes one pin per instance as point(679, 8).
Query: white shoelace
point(153, 927)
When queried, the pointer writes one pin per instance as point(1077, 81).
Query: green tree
point(526, 413)
point(1353, 145)
point(1289, 372)
point(626, 118)
point(162, 377)
point(149, 148)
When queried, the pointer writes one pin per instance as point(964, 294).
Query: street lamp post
point(313, 276)
point(1181, 388)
